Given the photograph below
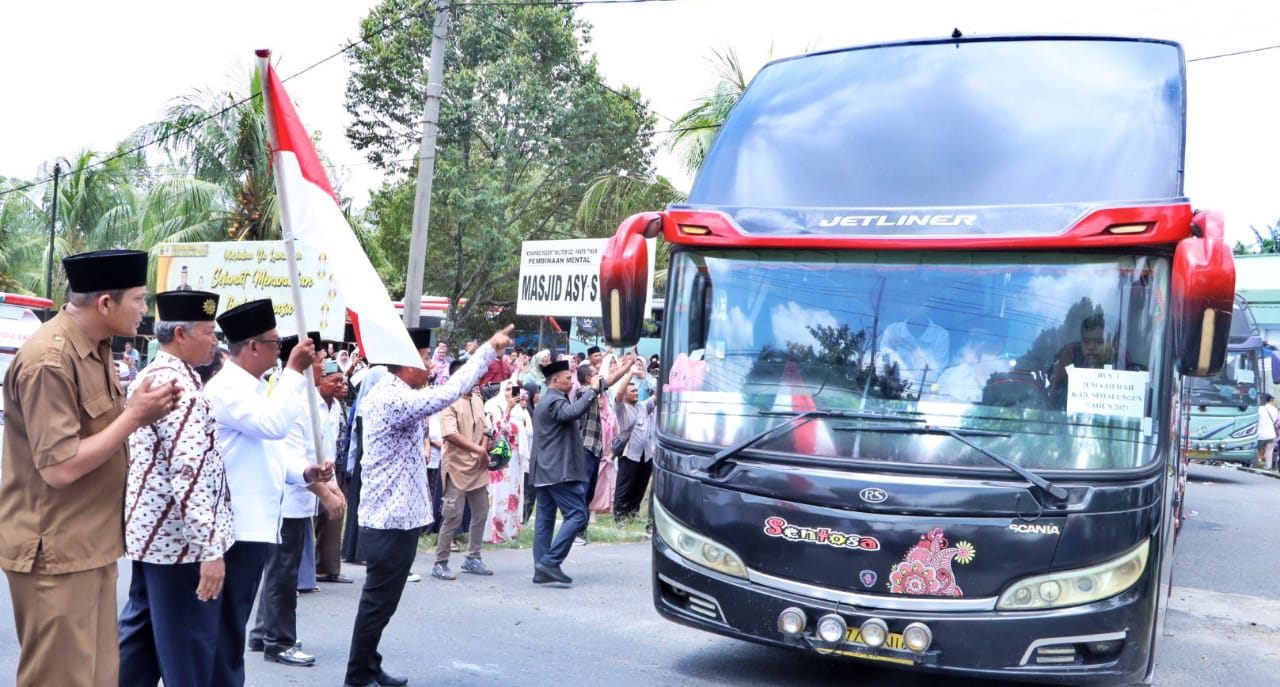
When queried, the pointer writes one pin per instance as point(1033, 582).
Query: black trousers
point(389, 556)
point(530, 495)
point(592, 461)
point(351, 532)
point(165, 631)
point(277, 622)
point(244, 562)
point(633, 479)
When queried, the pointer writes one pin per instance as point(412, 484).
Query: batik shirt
point(393, 470)
point(177, 506)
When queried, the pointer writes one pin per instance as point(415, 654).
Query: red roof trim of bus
point(1170, 224)
point(25, 301)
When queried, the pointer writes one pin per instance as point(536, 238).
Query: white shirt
point(918, 357)
point(1266, 422)
point(247, 420)
point(433, 432)
point(298, 451)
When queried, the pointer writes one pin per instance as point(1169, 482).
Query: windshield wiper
point(888, 424)
point(796, 421)
point(960, 436)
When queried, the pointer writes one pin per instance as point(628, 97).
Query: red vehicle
point(929, 311)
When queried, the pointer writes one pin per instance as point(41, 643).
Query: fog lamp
point(874, 633)
point(831, 628)
point(917, 637)
point(1106, 648)
point(791, 621)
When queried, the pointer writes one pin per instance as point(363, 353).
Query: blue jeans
point(570, 498)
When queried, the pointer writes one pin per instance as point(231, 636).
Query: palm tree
point(219, 140)
point(23, 238)
point(697, 128)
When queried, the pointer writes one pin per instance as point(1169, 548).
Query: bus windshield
point(1044, 357)
point(933, 124)
point(1236, 385)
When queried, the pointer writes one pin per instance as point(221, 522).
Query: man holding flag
point(393, 507)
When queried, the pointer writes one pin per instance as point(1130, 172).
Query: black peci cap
point(421, 337)
point(187, 306)
point(288, 342)
point(555, 368)
point(247, 320)
point(105, 270)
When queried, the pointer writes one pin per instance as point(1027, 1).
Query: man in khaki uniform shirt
point(464, 467)
point(65, 463)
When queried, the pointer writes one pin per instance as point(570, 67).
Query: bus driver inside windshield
point(1091, 351)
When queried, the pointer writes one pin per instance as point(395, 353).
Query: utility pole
point(53, 223)
point(426, 168)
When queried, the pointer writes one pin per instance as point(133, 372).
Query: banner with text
point(562, 278)
point(240, 271)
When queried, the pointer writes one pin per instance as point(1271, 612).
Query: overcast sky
point(83, 74)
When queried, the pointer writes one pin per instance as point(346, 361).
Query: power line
point(234, 105)
point(1233, 54)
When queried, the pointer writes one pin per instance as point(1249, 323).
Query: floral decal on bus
point(926, 569)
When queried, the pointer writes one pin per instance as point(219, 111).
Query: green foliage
point(208, 137)
point(696, 129)
point(525, 127)
point(1268, 244)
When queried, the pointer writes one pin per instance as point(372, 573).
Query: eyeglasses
point(274, 342)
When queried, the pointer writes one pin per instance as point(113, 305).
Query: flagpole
point(313, 399)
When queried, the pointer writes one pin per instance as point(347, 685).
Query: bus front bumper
point(1107, 642)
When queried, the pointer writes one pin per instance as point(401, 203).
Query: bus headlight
point(831, 628)
point(917, 637)
point(1075, 587)
point(696, 547)
point(874, 632)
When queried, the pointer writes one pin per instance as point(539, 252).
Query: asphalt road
point(1223, 626)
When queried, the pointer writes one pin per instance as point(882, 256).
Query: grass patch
point(604, 530)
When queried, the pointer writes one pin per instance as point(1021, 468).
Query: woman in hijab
point(534, 373)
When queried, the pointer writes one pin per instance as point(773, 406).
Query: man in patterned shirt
point(394, 504)
point(177, 511)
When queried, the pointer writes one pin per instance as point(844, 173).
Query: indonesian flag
point(311, 214)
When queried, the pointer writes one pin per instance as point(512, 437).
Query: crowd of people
point(252, 469)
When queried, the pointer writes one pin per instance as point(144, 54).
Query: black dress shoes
point(293, 656)
point(550, 573)
point(388, 680)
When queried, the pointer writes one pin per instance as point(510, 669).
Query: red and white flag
point(311, 213)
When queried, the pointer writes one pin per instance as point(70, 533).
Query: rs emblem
point(873, 495)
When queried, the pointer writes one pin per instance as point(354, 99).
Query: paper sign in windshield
point(1119, 393)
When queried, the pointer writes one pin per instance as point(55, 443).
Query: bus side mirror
point(1204, 284)
point(624, 277)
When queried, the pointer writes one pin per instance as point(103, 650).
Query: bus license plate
point(856, 649)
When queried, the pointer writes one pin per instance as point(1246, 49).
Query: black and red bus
point(929, 310)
